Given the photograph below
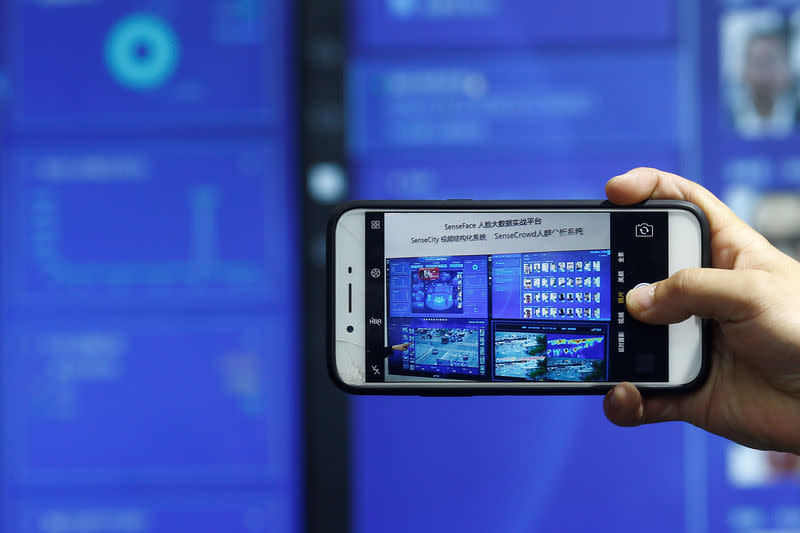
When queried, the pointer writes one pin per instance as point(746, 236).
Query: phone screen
point(512, 296)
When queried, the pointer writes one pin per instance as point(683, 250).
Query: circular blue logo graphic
point(141, 52)
point(403, 8)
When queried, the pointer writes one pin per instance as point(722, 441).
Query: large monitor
point(516, 99)
point(148, 284)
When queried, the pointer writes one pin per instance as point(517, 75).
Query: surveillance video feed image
point(519, 354)
point(549, 356)
point(452, 349)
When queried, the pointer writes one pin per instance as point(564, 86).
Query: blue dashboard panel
point(5, 87)
point(511, 464)
point(201, 401)
point(482, 176)
point(511, 99)
point(749, 151)
point(405, 25)
point(747, 489)
point(508, 464)
point(246, 512)
point(537, 104)
point(132, 64)
point(148, 268)
point(751, 162)
point(137, 224)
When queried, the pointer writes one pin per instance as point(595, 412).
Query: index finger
point(640, 184)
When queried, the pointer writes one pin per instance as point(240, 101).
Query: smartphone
point(462, 297)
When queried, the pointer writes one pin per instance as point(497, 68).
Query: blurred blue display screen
point(515, 99)
point(148, 289)
point(203, 382)
point(136, 224)
point(522, 102)
point(426, 24)
point(132, 63)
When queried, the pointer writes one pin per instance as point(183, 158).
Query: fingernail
point(642, 298)
point(617, 396)
point(621, 177)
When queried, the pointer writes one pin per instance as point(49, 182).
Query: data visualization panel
point(431, 24)
point(202, 401)
point(5, 87)
point(745, 489)
point(432, 176)
point(148, 283)
point(208, 62)
point(136, 224)
point(511, 464)
point(232, 512)
point(520, 103)
point(515, 99)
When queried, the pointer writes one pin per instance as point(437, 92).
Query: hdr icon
point(375, 321)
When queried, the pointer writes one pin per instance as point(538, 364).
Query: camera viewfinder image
point(444, 351)
point(453, 347)
point(549, 356)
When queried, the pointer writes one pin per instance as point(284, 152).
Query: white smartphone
point(471, 297)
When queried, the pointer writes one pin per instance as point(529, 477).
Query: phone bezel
point(431, 387)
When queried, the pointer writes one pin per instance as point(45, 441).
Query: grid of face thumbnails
point(538, 316)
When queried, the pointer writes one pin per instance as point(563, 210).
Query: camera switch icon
point(643, 229)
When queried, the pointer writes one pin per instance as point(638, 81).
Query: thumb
point(624, 405)
point(723, 295)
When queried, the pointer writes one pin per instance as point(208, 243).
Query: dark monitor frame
point(320, 62)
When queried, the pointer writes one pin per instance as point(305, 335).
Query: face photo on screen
point(758, 72)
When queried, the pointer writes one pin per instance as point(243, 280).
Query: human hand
point(752, 292)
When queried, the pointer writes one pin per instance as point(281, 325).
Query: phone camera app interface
point(515, 297)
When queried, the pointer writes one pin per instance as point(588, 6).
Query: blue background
point(149, 349)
